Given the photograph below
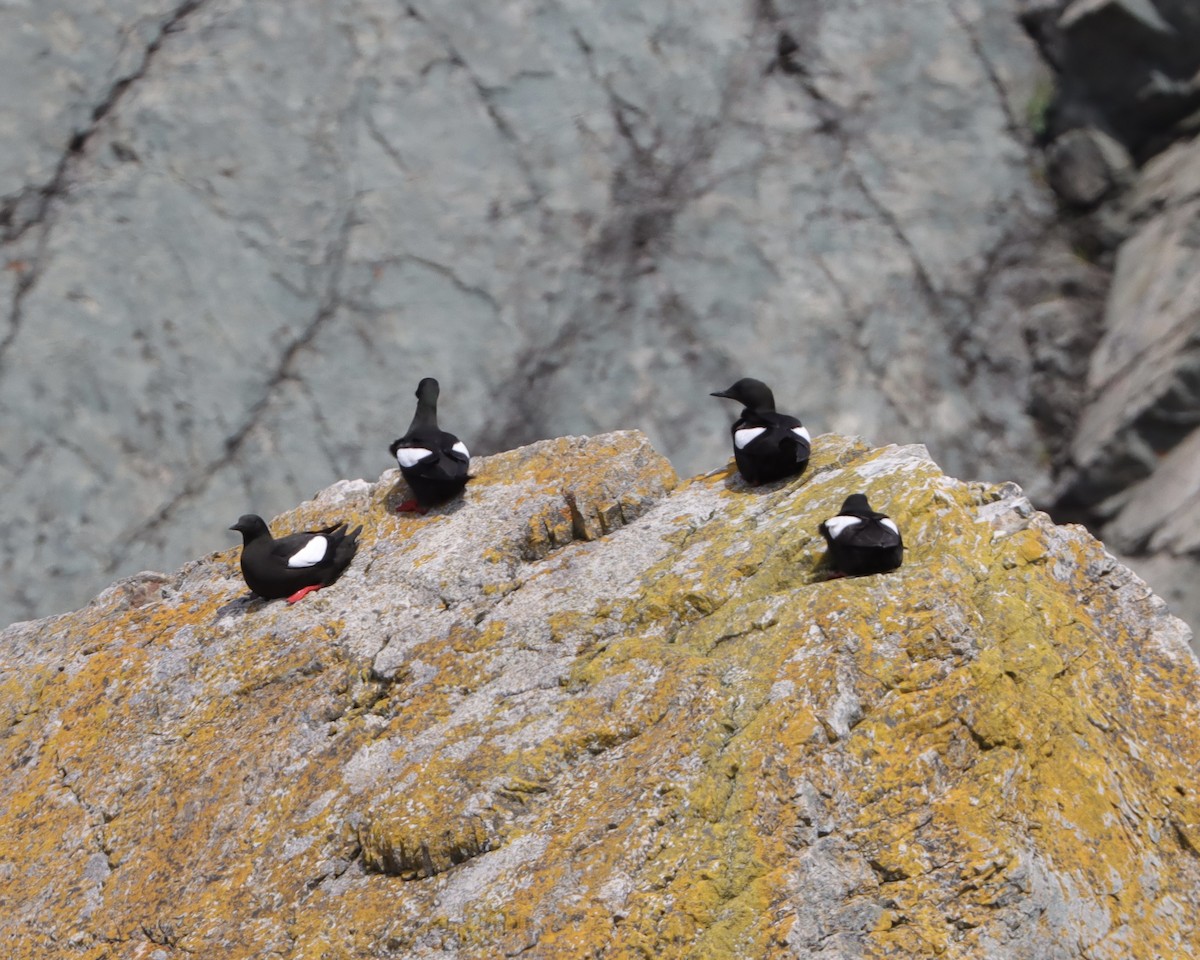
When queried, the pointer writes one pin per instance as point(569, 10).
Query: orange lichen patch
point(571, 623)
point(833, 452)
point(469, 639)
point(585, 465)
point(21, 696)
point(549, 528)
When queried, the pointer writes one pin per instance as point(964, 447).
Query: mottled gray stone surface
point(1130, 70)
point(235, 236)
point(1085, 165)
point(1135, 459)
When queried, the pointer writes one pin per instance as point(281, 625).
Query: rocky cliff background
point(234, 235)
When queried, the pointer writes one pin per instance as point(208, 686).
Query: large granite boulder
point(590, 711)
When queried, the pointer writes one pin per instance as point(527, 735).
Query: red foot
point(411, 506)
point(300, 594)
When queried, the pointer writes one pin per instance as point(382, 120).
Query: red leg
point(411, 506)
point(300, 594)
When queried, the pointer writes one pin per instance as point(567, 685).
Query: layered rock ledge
point(593, 711)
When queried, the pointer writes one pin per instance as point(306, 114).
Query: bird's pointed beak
point(720, 393)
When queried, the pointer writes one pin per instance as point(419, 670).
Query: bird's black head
point(251, 526)
point(428, 390)
point(856, 505)
point(752, 394)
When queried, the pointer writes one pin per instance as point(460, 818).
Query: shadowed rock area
point(593, 711)
point(1117, 385)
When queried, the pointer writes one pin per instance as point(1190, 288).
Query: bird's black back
point(443, 473)
point(776, 453)
point(868, 546)
point(265, 567)
point(440, 476)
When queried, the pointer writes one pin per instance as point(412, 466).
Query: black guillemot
point(766, 445)
point(862, 540)
point(433, 462)
point(297, 564)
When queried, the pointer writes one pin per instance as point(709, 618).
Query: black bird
point(434, 462)
point(862, 540)
point(766, 445)
point(297, 564)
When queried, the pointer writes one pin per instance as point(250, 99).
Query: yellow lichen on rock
point(586, 711)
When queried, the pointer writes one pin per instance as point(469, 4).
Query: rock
point(590, 710)
point(1121, 458)
point(1120, 14)
point(1142, 380)
point(1084, 166)
point(1175, 575)
point(1061, 331)
point(1162, 513)
point(1157, 527)
point(578, 222)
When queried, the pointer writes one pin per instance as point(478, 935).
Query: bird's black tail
point(345, 546)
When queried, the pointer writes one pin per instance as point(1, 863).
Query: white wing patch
point(746, 434)
point(461, 447)
point(311, 553)
point(839, 525)
point(891, 526)
point(411, 456)
point(802, 433)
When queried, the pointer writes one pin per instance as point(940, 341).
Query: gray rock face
point(1135, 459)
point(237, 234)
point(1084, 166)
point(1127, 69)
